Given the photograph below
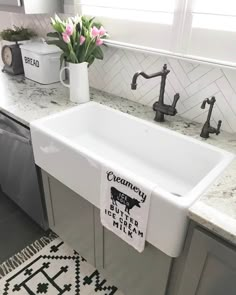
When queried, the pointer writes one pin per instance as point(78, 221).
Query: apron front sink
point(74, 145)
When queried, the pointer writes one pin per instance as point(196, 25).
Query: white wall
point(194, 82)
point(5, 20)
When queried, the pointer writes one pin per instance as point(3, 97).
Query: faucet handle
point(218, 127)
point(175, 100)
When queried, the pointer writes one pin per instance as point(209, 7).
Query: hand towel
point(124, 203)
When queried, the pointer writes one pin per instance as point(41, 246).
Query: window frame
point(180, 40)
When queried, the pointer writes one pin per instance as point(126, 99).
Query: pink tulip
point(102, 31)
point(82, 40)
point(99, 42)
point(95, 31)
point(66, 38)
point(69, 29)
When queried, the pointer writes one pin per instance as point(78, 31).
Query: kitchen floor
point(17, 230)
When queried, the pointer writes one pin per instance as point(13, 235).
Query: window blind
point(213, 30)
point(196, 29)
point(137, 22)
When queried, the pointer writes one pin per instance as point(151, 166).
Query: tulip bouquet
point(80, 39)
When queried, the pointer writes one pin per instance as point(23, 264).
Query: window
point(218, 15)
point(134, 21)
point(196, 29)
point(136, 10)
point(213, 30)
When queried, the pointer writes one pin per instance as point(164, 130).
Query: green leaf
point(81, 53)
point(91, 60)
point(61, 44)
point(72, 55)
point(78, 47)
point(97, 52)
point(97, 24)
point(59, 27)
point(53, 35)
point(91, 21)
point(85, 22)
point(62, 58)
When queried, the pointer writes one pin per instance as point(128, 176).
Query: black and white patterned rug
point(55, 270)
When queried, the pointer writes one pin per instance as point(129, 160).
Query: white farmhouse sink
point(73, 146)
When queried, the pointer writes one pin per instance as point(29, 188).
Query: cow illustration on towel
point(123, 199)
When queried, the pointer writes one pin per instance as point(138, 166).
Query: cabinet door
point(70, 216)
point(32, 7)
point(132, 272)
point(10, 2)
point(210, 267)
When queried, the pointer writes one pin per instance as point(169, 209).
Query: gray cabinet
point(18, 174)
point(210, 267)
point(70, 216)
point(207, 265)
point(134, 273)
point(77, 222)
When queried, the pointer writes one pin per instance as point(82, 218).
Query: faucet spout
point(134, 80)
point(204, 103)
point(162, 73)
point(207, 128)
point(159, 106)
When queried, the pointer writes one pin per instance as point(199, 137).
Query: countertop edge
point(15, 117)
point(213, 220)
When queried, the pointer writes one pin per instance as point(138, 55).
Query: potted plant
point(17, 34)
point(11, 54)
point(80, 39)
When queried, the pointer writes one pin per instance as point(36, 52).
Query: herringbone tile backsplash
point(193, 81)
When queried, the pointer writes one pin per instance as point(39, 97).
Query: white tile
point(132, 60)
point(147, 62)
point(155, 67)
point(195, 111)
point(226, 111)
point(170, 90)
point(198, 72)
point(139, 56)
point(187, 66)
point(109, 63)
point(231, 77)
point(127, 65)
point(204, 81)
point(170, 96)
point(198, 97)
point(98, 65)
point(228, 92)
point(179, 72)
point(147, 87)
point(175, 83)
point(116, 69)
point(126, 76)
point(218, 115)
point(149, 97)
point(201, 118)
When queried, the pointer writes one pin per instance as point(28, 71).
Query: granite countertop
point(25, 101)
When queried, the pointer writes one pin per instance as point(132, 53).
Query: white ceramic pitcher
point(79, 82)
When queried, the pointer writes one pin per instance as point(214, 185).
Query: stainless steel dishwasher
point(19, 178)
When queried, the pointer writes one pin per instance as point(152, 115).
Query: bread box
point(41, 62)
